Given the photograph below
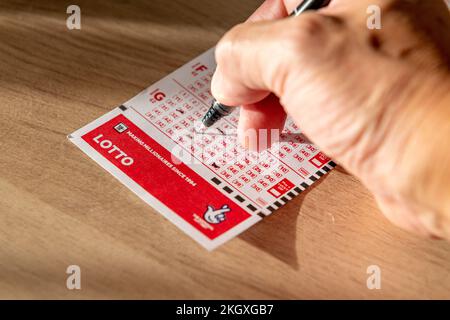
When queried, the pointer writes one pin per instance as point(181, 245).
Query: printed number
point(233, 170)
point(239, 165)
point(254, 186)
point(265, 165)
point(277, 174)
point(298, 157)
point(226, 174)
point(244, 178)
point(287, 149)
point(263, 183)
point(237, 183)
point(257, 169)
point(305, 153)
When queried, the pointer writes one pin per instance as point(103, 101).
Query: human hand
point(377, 101)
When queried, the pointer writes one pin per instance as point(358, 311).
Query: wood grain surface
point(58, 208)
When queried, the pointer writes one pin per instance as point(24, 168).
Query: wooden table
point(59, 208)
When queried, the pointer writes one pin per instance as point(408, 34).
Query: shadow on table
point(277, 234)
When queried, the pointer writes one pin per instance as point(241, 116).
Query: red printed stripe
point(177, 186)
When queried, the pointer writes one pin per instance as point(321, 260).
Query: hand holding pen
point(369, 98)
point(219, 110)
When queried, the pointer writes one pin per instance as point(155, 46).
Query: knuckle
point(304, 34)
point(316, 35)
point(309, 26)
point(225, 47)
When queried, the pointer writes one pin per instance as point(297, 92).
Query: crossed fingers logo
point(216, 216)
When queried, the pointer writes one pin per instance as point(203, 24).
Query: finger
point(255, 58)
point(261, 117)
point(250, 116)
point(269, 10)
point(273, 9)
point(400, 215)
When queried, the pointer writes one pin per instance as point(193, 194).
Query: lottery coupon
point(204, 182)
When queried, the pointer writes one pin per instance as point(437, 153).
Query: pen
point(218, 110)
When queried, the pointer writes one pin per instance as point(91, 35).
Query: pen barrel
point(216, 112)
point(310, 5)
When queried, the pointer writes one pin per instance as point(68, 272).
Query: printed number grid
point(250, 173)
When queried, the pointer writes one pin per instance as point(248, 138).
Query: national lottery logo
point(216, 216)
point(120, 127)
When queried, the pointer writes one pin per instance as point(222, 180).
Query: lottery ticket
point(204, 182)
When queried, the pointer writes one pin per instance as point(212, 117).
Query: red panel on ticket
point(177, 186)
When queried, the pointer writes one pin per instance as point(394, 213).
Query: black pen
point(218, 110)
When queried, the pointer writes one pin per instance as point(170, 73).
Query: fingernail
point(216, 85)
point(242, 138)
point(248, 138)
